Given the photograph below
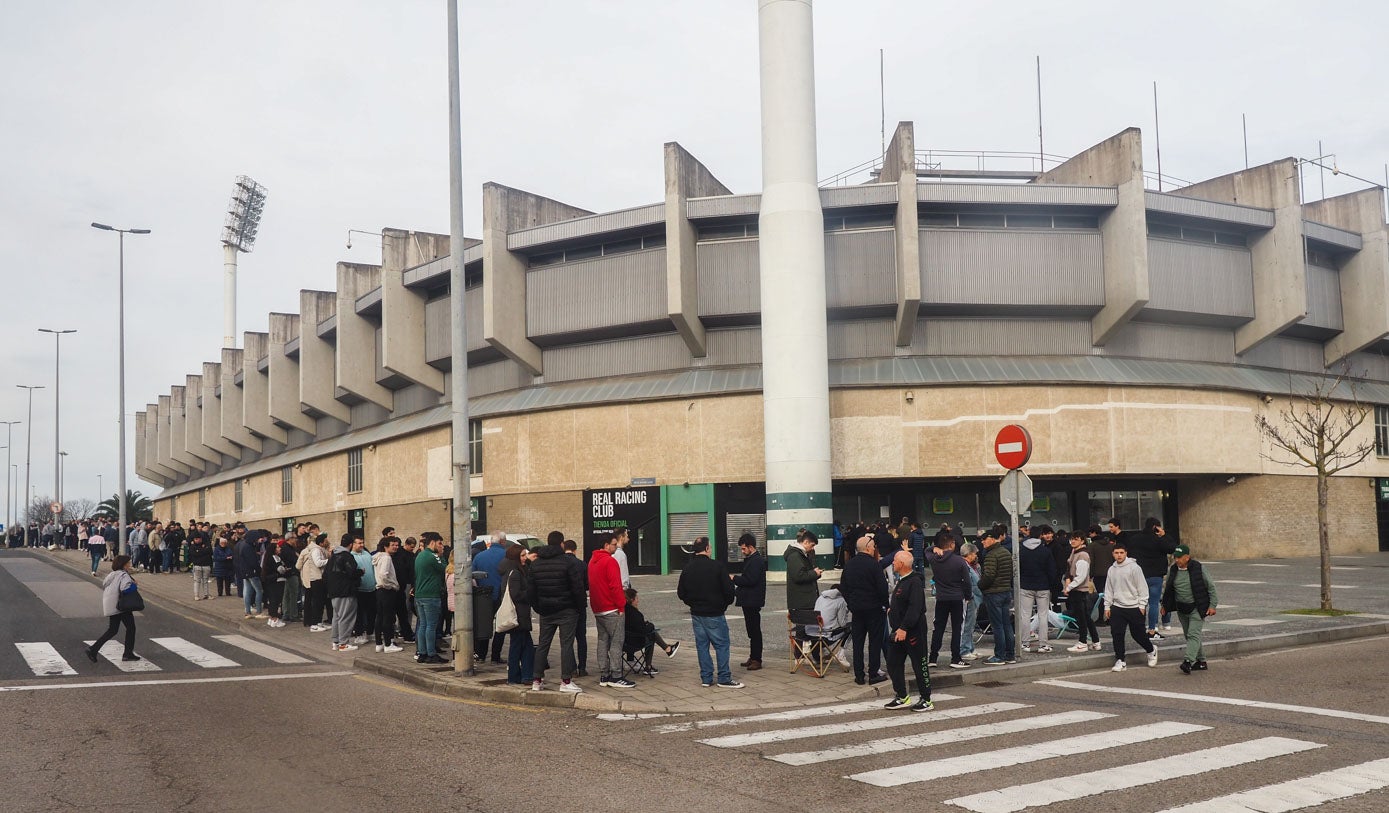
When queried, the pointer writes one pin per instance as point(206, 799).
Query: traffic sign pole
point(1013, 448)
point(1018, 622)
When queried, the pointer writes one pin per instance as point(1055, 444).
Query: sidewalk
point(1254, 595)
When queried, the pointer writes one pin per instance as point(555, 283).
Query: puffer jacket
point(556, 583)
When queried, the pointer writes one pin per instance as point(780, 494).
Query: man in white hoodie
point(1125, 604)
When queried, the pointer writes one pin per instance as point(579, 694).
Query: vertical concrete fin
point(140, 470)
point(193, 423)
point(686, 178)
point(178, 424)
point(402, 310)
point(255, 389)
point(1117, 162)
point(317, 373)
point(212, 411)
point(151, 441)
point(1280, 270)
point(356, 337)
point(1364, 275)
point(234, 401)
point(505, 210)
point(284, 375)
point(899, 167)
point(165, 432)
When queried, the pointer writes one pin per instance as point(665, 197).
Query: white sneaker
point(537, 685)
point(380, 647)
point(392, 648)
point(571, 687)
point(1166, 627)
point(318, 628)
point(347, 647)
point(843, 659)
point(1082, 647)
point(971, 656)
point(1095, 647)
point(1119, 666)
point(1152, 658)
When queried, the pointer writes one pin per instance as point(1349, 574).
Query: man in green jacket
point(802, 576)
point(1191, 593)
point(996, 584)
point(429, 594)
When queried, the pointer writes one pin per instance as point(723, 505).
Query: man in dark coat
point(802, 576)
point(950, 572)
point(751, 595)
point(705, 588)
point(556, 593)
point(865, 591)
point(906, 616)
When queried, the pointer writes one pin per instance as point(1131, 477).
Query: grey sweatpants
point(611, 631)
point(344, 616)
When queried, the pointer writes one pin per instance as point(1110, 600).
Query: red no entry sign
point(1013, 447)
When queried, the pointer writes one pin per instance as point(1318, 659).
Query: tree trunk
point(1324, 538)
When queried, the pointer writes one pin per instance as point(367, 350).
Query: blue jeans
point(1154, 599)
point(252, 593)
point(97, 555)
point(520, 658)
point(971, 621)
point(168, 560)
point(711, 630)
point(998, 605)
point(427, 628)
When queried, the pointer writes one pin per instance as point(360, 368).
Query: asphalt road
point(264, 736)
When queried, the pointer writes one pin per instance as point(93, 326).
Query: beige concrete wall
point(538, 514)
point(1275, 516)
point(411, 519)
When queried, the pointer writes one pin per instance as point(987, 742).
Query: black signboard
point(607, 511)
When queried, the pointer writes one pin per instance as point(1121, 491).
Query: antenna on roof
point(1157, 134)
point(882, 102)
point(1041, 148)
point(1244, 123)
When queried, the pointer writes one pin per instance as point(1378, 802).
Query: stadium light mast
point(238, 236)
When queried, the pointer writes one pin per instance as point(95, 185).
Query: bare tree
point(1316, 431)
point(78, 508)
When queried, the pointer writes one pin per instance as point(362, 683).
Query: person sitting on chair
point(834, 611)
point(643, 635)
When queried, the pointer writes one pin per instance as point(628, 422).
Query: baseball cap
point(1181, 550)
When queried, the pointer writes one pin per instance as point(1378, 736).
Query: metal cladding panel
point(641, 216)
point(962, 266)
point(438, 325)
point(436, 271)
point(1323, 298)
point(498, 376)
point(1208, 210)
point(1017, 194)
point(1332, 235)
point(1283, 353)
point(1171, 342)
point(871, 194)
point(732, 346)
point(1200, 278)
point(728, 277)
point(1369, 365)
point(368, 414)
point(860, 268)
point(1001, 337)
point(621, 357)
point(862, 338)
point(617, 290)
point(722, 206)
point(414, 398)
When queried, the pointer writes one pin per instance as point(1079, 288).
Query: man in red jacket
point(608, 600)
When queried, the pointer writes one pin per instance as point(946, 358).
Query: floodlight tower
point(238, 235)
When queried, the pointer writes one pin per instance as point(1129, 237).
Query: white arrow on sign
point(1015, 492)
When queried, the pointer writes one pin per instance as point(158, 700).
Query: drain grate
point(992, 684)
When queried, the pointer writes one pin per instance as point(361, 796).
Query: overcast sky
point(141, 114)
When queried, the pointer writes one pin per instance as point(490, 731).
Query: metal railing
point(981, 165)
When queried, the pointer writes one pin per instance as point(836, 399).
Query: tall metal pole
point(1157, 134)
point(9, 463)
point(62, 474)
point(1321, 168)
point(28, 456)
point(1244, 125)
point(57, 409)
point(458, 378)
point(229, 296)
point(1041, 148)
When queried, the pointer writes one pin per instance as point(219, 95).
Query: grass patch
point(1321, 612)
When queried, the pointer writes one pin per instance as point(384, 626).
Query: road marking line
point(791, 714)
point(1334, 586)
point(1069, 788)
point(264, 650)
point(935, 738)
point(165, 681)
point(113, 650)
point(1250, 622)
point(1004, 757)
point(1265, 564)
point(44, 660)
point(1237, 581)
point(890, 721)
point(622, 718)
point(1344, 567)
point(1309, 791)
point(1224, 701)
point(195, 654)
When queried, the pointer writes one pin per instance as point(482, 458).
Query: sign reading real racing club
point(609, 510)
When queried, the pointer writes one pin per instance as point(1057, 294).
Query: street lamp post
point(120, 475)
point(28, 456)
point(9, 461)
point(57, 409)
point(62, 475)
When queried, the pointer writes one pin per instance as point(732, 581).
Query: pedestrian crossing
point(44, 659)
point(988, 747)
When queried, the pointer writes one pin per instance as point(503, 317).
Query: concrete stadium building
point(616, 368)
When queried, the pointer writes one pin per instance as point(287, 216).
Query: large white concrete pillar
point(795, 352)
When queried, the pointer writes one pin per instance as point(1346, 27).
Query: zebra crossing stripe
point(44, 660)
point(888, 720)
point(936, 738)
point(790, 714)
point(956, 766)
point(113, 650)
point(194, 654)
point(1079, 786)
point(257, 648)
point(1296, 794)
point(1224, 701)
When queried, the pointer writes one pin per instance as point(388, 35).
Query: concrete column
point(1280, 269)
point(193, 423)
point(686, 178)
point(255, 389)
point(233, 428)
point(284, 376)
point(178, 426)
point(1364, 275)
point(212, 412)
point(504, 282)
point(356, 337)
point(899, 167)
point(151, 444)
point(317, 376)
point(140, 470)
point(402, 310)
point(1116, 162)
point(795, 349)
point(164, 438)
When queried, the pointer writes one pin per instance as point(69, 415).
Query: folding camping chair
point(812, 645)
point(634, 660)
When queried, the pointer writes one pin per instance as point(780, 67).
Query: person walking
point(996, 585)
point(1078, 588)
point(952, 576)
point(118, 583)
point(1125, 605)
point(705, 588)
point(96, 548)
point(606, 597)
point(750, 588)
point(865, 591)
point(802, 576)
point(906, 618)
point(1191, 593)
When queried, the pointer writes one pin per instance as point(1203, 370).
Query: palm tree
point(138, 507)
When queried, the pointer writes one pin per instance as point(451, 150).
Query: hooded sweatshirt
point(1036, 565)
point(1126, 587)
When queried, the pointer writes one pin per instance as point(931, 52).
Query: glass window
point(1226, 238)
point(475, 447)
point(585, 253)
point(1382, 430)
point(1076, 221)
point(238, 495)
point(354, 470)
point(959, 508)
point(1029, 221)
point(723, 231)
point(202, 503)
point(1052, 508)
point(287, 484)
point(1164, 230)
point(622, 246)
point(873, 221)
point(1198, 235)
point(553, 258)
point(981, 221)
point(834, 224)
point(947, 219)
point(653, 241)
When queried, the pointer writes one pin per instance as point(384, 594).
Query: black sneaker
point(130, 657)
point(675, 647)
point(898, 703)
point(1185, 667)
point(91, 654)
point(924, 704)
point(1199, 666)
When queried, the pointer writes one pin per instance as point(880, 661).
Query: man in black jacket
point(865, 591)
point(556, 594)
point(951, 575)
point(752, 597)
point(906, 616)
point(1151, 549)
point(404, 561)
point(706, 589)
